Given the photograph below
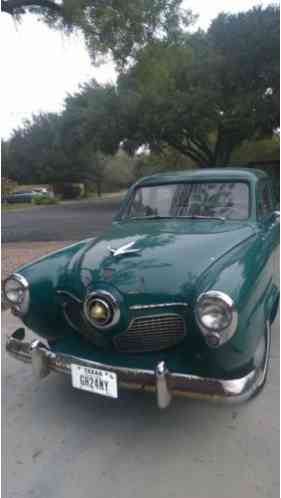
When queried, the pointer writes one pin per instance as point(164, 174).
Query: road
point(67, 221)
point(62, 442)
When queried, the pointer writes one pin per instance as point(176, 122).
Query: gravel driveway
point(16, 254)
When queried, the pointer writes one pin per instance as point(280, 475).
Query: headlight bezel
point(217, 336)
point(110, 302)
point(21, 306)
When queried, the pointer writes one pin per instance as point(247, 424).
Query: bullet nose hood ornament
point(123, 250)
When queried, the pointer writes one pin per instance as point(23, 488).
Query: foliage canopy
point(190, 99)
point(118, 27)
point(209, 93)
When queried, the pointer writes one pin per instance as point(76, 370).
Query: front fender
point(44, 276)
point(246, 275)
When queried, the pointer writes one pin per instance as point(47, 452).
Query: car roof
point(231, 174)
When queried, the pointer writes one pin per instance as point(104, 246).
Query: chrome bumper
point(161, 380)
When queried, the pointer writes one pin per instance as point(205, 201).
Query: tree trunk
point(99, 187)
point(87, 188)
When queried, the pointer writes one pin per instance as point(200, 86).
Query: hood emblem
point(123, 250)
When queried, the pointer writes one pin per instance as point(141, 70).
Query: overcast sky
point(40, 66)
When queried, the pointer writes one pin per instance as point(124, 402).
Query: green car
point(176, 297)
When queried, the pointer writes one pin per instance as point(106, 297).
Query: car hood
point(172, 255)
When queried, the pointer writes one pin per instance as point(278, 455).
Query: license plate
point(94, 380)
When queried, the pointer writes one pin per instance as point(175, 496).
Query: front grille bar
point(152, 333)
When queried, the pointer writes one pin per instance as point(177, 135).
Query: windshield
point(221, 200)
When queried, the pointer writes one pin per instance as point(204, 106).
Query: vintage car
point(176, 297)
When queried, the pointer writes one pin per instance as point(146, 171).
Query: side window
point(264, 201)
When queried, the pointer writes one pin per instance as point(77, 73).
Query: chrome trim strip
point(229, 391)
point(69, 294)
point(137, 307)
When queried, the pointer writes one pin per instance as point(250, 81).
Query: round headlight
point(216, 317)
point(16, 293)
point(101, 309)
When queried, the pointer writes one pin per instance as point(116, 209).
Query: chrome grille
point(152, 333)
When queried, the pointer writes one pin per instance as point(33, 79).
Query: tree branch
point(198, 147)
point(203, 147)
point(188, 151)
point(194, 149)
point(9, 6)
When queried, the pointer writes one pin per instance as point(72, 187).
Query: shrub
point(44, 200)
point(69, 190)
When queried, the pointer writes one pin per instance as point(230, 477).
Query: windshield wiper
point(201, 217)
point(189, 217)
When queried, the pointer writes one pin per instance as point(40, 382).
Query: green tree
point(119, 172)
point(90, 131)
point(167, 159)
point(58, 148)
point(196, 99)
point(119, 27)
point(265, 150)
point(36, 153)
point(91, 118)
point(209, 92)
point(97, 173)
